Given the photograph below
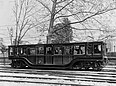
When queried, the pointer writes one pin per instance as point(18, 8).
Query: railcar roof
point(59, 43)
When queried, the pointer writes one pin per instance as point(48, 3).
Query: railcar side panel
point(48, 59)
point(57, 60)
point(67, 59)
point(32, 59)
point(40, 60)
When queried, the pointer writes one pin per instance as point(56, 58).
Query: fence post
point(4, 59)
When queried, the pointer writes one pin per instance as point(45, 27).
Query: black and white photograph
point(57, 42)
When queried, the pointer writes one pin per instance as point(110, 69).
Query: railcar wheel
point(17, 64)
point(100, 66)
point(87, 68)
point(97, 66)
point(99, 69)
point(94, 66)
point(13, 64)
point(76, 66)
point(86, 65)
point(21, 64)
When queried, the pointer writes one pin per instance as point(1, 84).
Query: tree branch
point(25, 32)
point(64, 7)
point(86, 29)
point(95, 14)
point(61, 1)
point(44, 5)
point(74, 14)
point(85, 18)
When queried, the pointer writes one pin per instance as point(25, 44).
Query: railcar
point(82, 55)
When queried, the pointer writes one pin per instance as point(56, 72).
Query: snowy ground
point(76, 83)
point(33, 84)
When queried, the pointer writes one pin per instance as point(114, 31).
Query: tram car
point(82, 55)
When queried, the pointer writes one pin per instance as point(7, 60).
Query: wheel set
point(96, 66)
point(18, 64)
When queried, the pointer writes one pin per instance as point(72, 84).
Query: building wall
point(111, 45)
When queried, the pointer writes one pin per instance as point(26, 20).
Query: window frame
point(37, 50)
point(99, 50)
point(12, 51)
point(60, 48)
point(29, 51)
point(70, 49)
point(79, 45)
point(46, 50)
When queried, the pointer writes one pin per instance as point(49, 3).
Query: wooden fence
point(111, 54)
point(4, 60)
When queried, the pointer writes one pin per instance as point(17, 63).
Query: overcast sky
point(6, 18)
point(6, 12)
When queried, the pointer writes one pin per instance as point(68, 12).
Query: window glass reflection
point(79, 49)
point(58, 50)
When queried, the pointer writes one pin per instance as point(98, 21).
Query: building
point(111, 45)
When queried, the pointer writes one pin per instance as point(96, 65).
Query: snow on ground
point(76, 82)
point(79, 83)
point(34, 84)
point(20, 84)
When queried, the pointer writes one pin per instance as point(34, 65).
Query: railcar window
point(79, 49)
point(16, 51)
point(32, 51)
point(24, 51)
point(58, 51)
point(49, 50)
point(40, 50)
point(67, 50)
point(11, 51)
point(104, 49)
point(97, 49)
point(21, 50)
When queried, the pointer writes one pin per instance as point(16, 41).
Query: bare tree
point(3, 49)
point(84, 14)
point(52, 13)
point(23, 12)
point(10, 31)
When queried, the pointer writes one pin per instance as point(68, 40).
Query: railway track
point(58, 77)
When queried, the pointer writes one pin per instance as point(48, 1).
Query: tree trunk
point(51, 21)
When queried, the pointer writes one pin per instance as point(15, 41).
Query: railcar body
point(82, 55)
